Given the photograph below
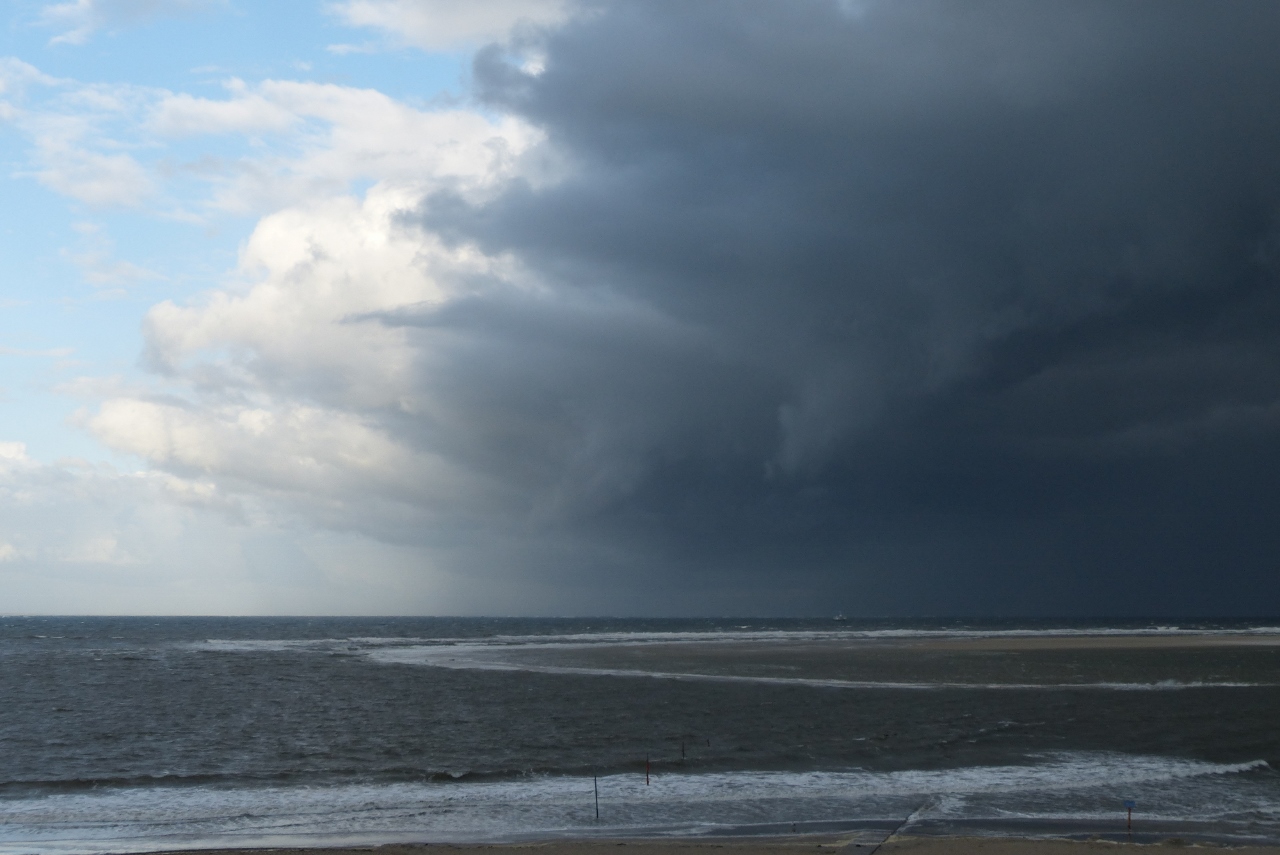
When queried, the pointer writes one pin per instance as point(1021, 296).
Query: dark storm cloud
point(889, 307)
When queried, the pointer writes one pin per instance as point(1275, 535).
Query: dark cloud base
point(886, 308)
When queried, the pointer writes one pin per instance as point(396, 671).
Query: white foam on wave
point(661, 637)
point(723, 636)
point(486, 654)
point(309, 645)
point(148, 819)
point(482, 658)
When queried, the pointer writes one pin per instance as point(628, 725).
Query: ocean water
point(135, 734)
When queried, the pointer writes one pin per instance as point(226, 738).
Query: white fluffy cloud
point(144, 147)
point(326, 136)
point(292, 385)
point(270, 428)
point(316, 269)
point(99, 180)
point(307, 451)
point(448, 24)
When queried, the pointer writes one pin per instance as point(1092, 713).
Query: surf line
point(434, 657)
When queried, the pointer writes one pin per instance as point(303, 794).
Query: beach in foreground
point(799, 845)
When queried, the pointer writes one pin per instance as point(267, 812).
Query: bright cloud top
point(445, 24)
point(125, 146)
point(292, 378)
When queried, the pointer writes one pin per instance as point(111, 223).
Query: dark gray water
point(158, 733)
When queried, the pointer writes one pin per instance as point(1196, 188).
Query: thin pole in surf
point(646, 771)
point(595, 788)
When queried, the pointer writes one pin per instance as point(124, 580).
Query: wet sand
point(810, 651)
point(980, 643)
point(799, 845)
point(1015, 846)
point(1065, 659)
point(1094, 642)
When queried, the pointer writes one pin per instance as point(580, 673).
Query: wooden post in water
point(595, 788)
point(646, 771)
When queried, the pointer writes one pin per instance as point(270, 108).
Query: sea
point(149, 734)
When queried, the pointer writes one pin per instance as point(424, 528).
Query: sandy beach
point(799, 845)
point(1097, 642)
point(989, 660)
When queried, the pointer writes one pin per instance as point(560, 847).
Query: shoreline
point(788, 844)
point(1029, 764)
point(852, 837)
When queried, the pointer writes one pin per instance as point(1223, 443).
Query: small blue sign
point(1130, 804)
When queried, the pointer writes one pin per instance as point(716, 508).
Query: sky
point(588, 307)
